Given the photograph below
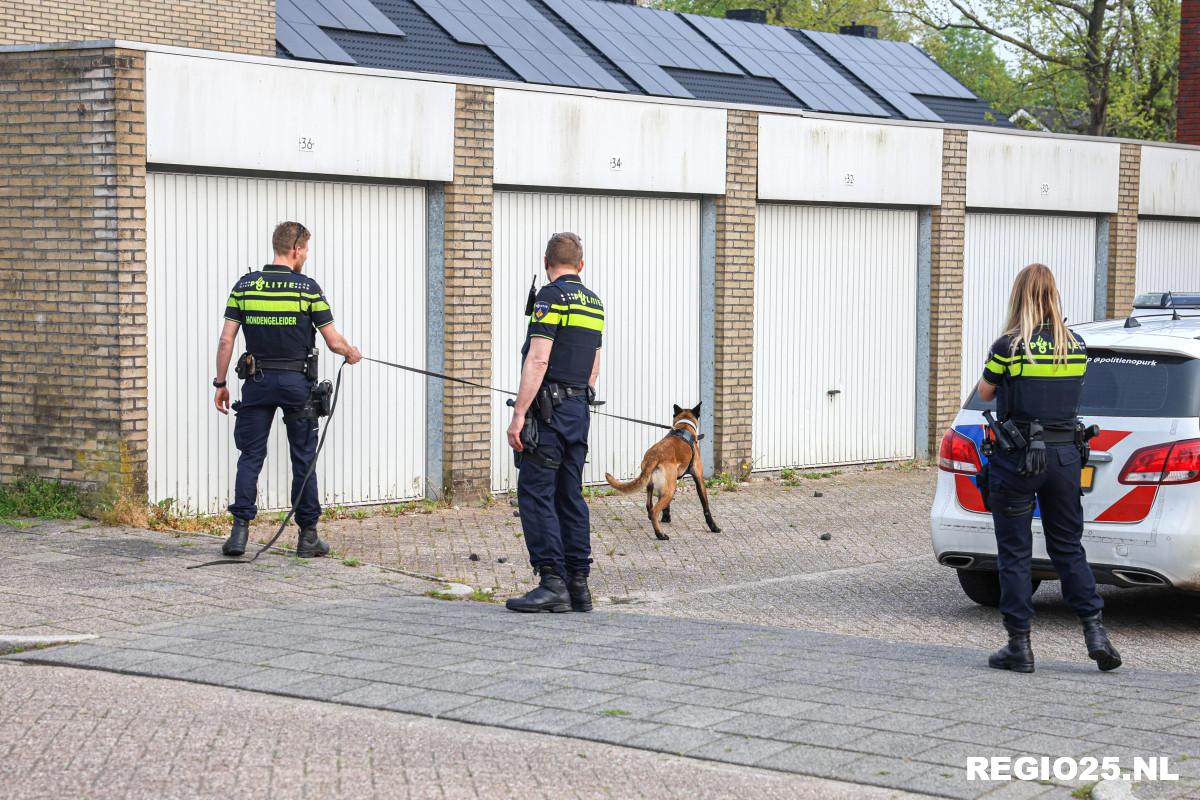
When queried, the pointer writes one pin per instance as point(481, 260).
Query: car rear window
point(1134, 385)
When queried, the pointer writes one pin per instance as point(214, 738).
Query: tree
point(1116, 60)
point(971, 57)
point(816, 15)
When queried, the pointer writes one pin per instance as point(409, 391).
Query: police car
point(1141, 485)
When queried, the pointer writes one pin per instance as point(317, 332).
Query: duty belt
point(281, 365)
point(1050, 435)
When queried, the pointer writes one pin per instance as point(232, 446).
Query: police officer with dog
point(279, 310)
point(1037, 448)
point(549, 430)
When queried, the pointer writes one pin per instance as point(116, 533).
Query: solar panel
point(768, 51)
point(346, 15)
point(896, 70)
point(523, 38)
point(305, 40)
point(642, 41)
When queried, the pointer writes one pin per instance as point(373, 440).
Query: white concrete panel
point(1167, 256)
point(824, 161)
point(556, 140)
point(997, 247)
point(368, 254)
point(835, 333)
point(1027, 173)
point(1170, 182)
point(642, 256)
point(212, 112)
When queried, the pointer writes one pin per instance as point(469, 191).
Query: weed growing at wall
point(32, 496)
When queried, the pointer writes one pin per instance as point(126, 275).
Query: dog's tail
point(637, 483)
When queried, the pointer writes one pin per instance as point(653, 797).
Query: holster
point(311, 365)
point(319, 404)
point(530, 438)
point(245, 367)
point(983, 481)
point(549, 397)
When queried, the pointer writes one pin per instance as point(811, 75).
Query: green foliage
point(32, 496)
point(815, 15)
point(1101, 67)
point(971, 57)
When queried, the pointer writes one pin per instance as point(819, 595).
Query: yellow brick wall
point(948, 231)
point(1122, 234)
point(734, 350)
point(466, 459)
point(235, 26)
point(73, 267)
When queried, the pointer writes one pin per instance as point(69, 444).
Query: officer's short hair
point(288, 235)
point(564, 249)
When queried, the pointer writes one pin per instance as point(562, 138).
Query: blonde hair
point(1034, 302)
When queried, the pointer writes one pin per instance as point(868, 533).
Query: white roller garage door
point(835, 329)
point(997, 247)
point(642, 256)
point(368, 254)
point(1167, 256)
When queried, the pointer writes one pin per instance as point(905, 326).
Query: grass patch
point(351, 562)
point(32, 496)
point(1083, 792)
point(476, 596)
point(18, 523)
point(615, 712)
point(724, 482)
point(415, 507)
point(593, 492)
point(161, 516)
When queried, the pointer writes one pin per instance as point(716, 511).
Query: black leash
point(333, 408)
point(337, 388)
point(504, 391)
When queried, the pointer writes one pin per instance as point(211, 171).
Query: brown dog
point(675, 455)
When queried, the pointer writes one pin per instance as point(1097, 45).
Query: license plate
point(1086, 477)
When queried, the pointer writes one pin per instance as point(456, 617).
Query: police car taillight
point(958, 454)
point(1172, 462)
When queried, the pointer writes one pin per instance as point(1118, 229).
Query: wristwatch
point(218, 384)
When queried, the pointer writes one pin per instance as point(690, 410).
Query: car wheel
point(983, 586)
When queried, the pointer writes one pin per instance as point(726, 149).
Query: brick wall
point(1122, 234)
point(1188, 125)
point(73, 267)
point(237, 26)
point(734, 350)
point(466, 459)
point(948, 230)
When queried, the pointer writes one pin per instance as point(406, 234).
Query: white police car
point(1141, 485)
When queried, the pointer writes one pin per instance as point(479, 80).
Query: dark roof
point(597, 44)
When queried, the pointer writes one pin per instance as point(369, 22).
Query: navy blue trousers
point(1057, 492)
point(262, 396)
point(554, 515)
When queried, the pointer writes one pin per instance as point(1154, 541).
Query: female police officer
point(1035, 373)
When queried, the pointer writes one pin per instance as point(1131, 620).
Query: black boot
point(581, 595)
point(235, 545)
point(1017, 655)
point(550, 595)
point(309, 545)
point(1099, 648)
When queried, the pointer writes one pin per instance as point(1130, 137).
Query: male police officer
point(281, 310)
point(561, 362)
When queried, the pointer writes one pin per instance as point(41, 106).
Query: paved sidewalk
point(892, 715)
point(67, 733)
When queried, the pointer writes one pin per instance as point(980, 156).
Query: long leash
point(337, 389)
point(333, 408)
point(454, 379)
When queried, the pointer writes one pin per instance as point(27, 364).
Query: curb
point(17, 644)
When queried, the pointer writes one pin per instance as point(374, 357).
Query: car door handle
point(1100, 457)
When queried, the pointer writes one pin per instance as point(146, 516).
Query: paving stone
point(739, 750)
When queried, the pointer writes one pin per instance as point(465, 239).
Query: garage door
point(1167, 256)
point(368, 254)
point(997, 247)
point(642, 256)
point(835, 329)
